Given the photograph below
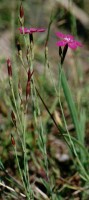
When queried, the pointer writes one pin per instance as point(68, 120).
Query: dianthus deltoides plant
point(19, 116)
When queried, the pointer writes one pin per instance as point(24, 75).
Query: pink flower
point(31, 30)
point(67, 39)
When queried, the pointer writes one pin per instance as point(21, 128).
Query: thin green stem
point(12, 91)
point(21, 175)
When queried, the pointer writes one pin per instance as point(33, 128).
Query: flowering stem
point(22, 126)
point(11, 86)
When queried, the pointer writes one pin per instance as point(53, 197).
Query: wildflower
point(31, 30)
point(67, 39)
point(28, 86)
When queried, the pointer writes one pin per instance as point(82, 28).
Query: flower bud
point(60, 51)
point(64, 53)
point(21, 11)
point(21, 14)
point(27, 89)
point(13, 118)
point(29, 75)
point(31, 38)
point(9, 67)
point(12, 140)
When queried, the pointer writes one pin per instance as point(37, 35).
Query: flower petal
point(31, 30)
point(69, 36)
point(60, 35)
point(72, 45)
point(78, 43)
point(64, 36)
point(61, 43)
point(24, 30)
point(40, 30)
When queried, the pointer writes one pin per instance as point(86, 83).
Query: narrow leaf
point(71, 104)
